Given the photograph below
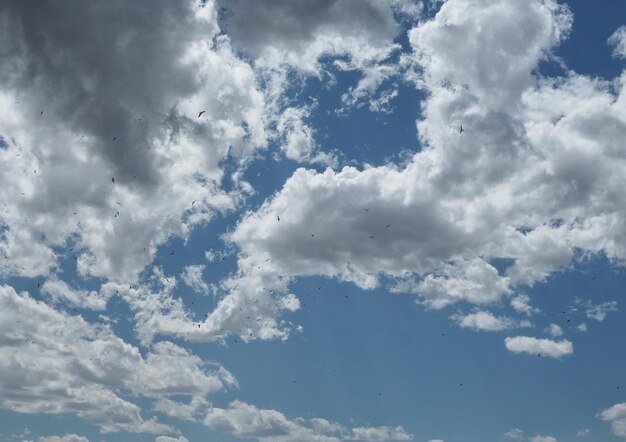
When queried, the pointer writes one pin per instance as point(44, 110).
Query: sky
point(331, 220)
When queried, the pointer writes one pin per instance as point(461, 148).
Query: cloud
point(380, 434)
point(171, 439)
point(247, 421)
point(598, 312)
point(618, 41)
point(192, 276)
point(520, 304)
point(616, 415)
point(555, 330)
point(52, 362)
point(299, 34)
point(66, 438)
point(485, 321)
point(583, 433)
point(434, 226)
point(582, 327)
point(543, 347)
point(59, 291)
point(514, 433)
point(130, 115)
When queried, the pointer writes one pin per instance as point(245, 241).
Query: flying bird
point(200, 114)
point(461, 130)
point(112, 180)
point(193, 202)
point(278, 217)
point(172, 252)
point(114, 138)
point(41, 113)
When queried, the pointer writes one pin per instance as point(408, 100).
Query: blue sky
point(321, 255)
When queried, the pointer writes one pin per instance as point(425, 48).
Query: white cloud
point(618, 41)
point(379, 434)
point(435, 225)
point(52, 362)
point(192, 276)
point(616, 415)
point(66, 438)
point(247, 421)
point(598, 312)
point(60, 291)
point(486, 321)
point(582, 327)
point(543, 347)
point(520, 304)
point(514, 433)
point(171, 439)
point(555, 330)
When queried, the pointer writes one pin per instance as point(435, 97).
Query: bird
point(200, 114)
point(312, 235)
point(114, 138)
point(41, 113)
point(193, 202)
point(172, 252)
point(112, 180)
point(461, 130)
point(278, 218)
point(387, 226)
point(367, 210)
point(593, 277)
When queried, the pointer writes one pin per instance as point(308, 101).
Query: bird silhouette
point(200, 114)
point(461, 130)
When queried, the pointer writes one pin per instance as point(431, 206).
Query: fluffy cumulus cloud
point(246, 421)
point(486, 321)
point(512, 186)
point(140, 154)
point(52, 362)
point(540, 347)
point(616, 415)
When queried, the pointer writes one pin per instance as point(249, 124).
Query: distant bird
point(367, 210)
point(172, 252)
point(112, 180)
point(617, 388)
point(387, 226)
point(461, 130)
point(278, 218)
point(443, 334)
point(148, 147)
point(312, 235)
point(41, 113)
point(371, 237)
point(117, 202)
point(593, 277)
point(200, 114)
point(114, 138)
point(193, 202)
